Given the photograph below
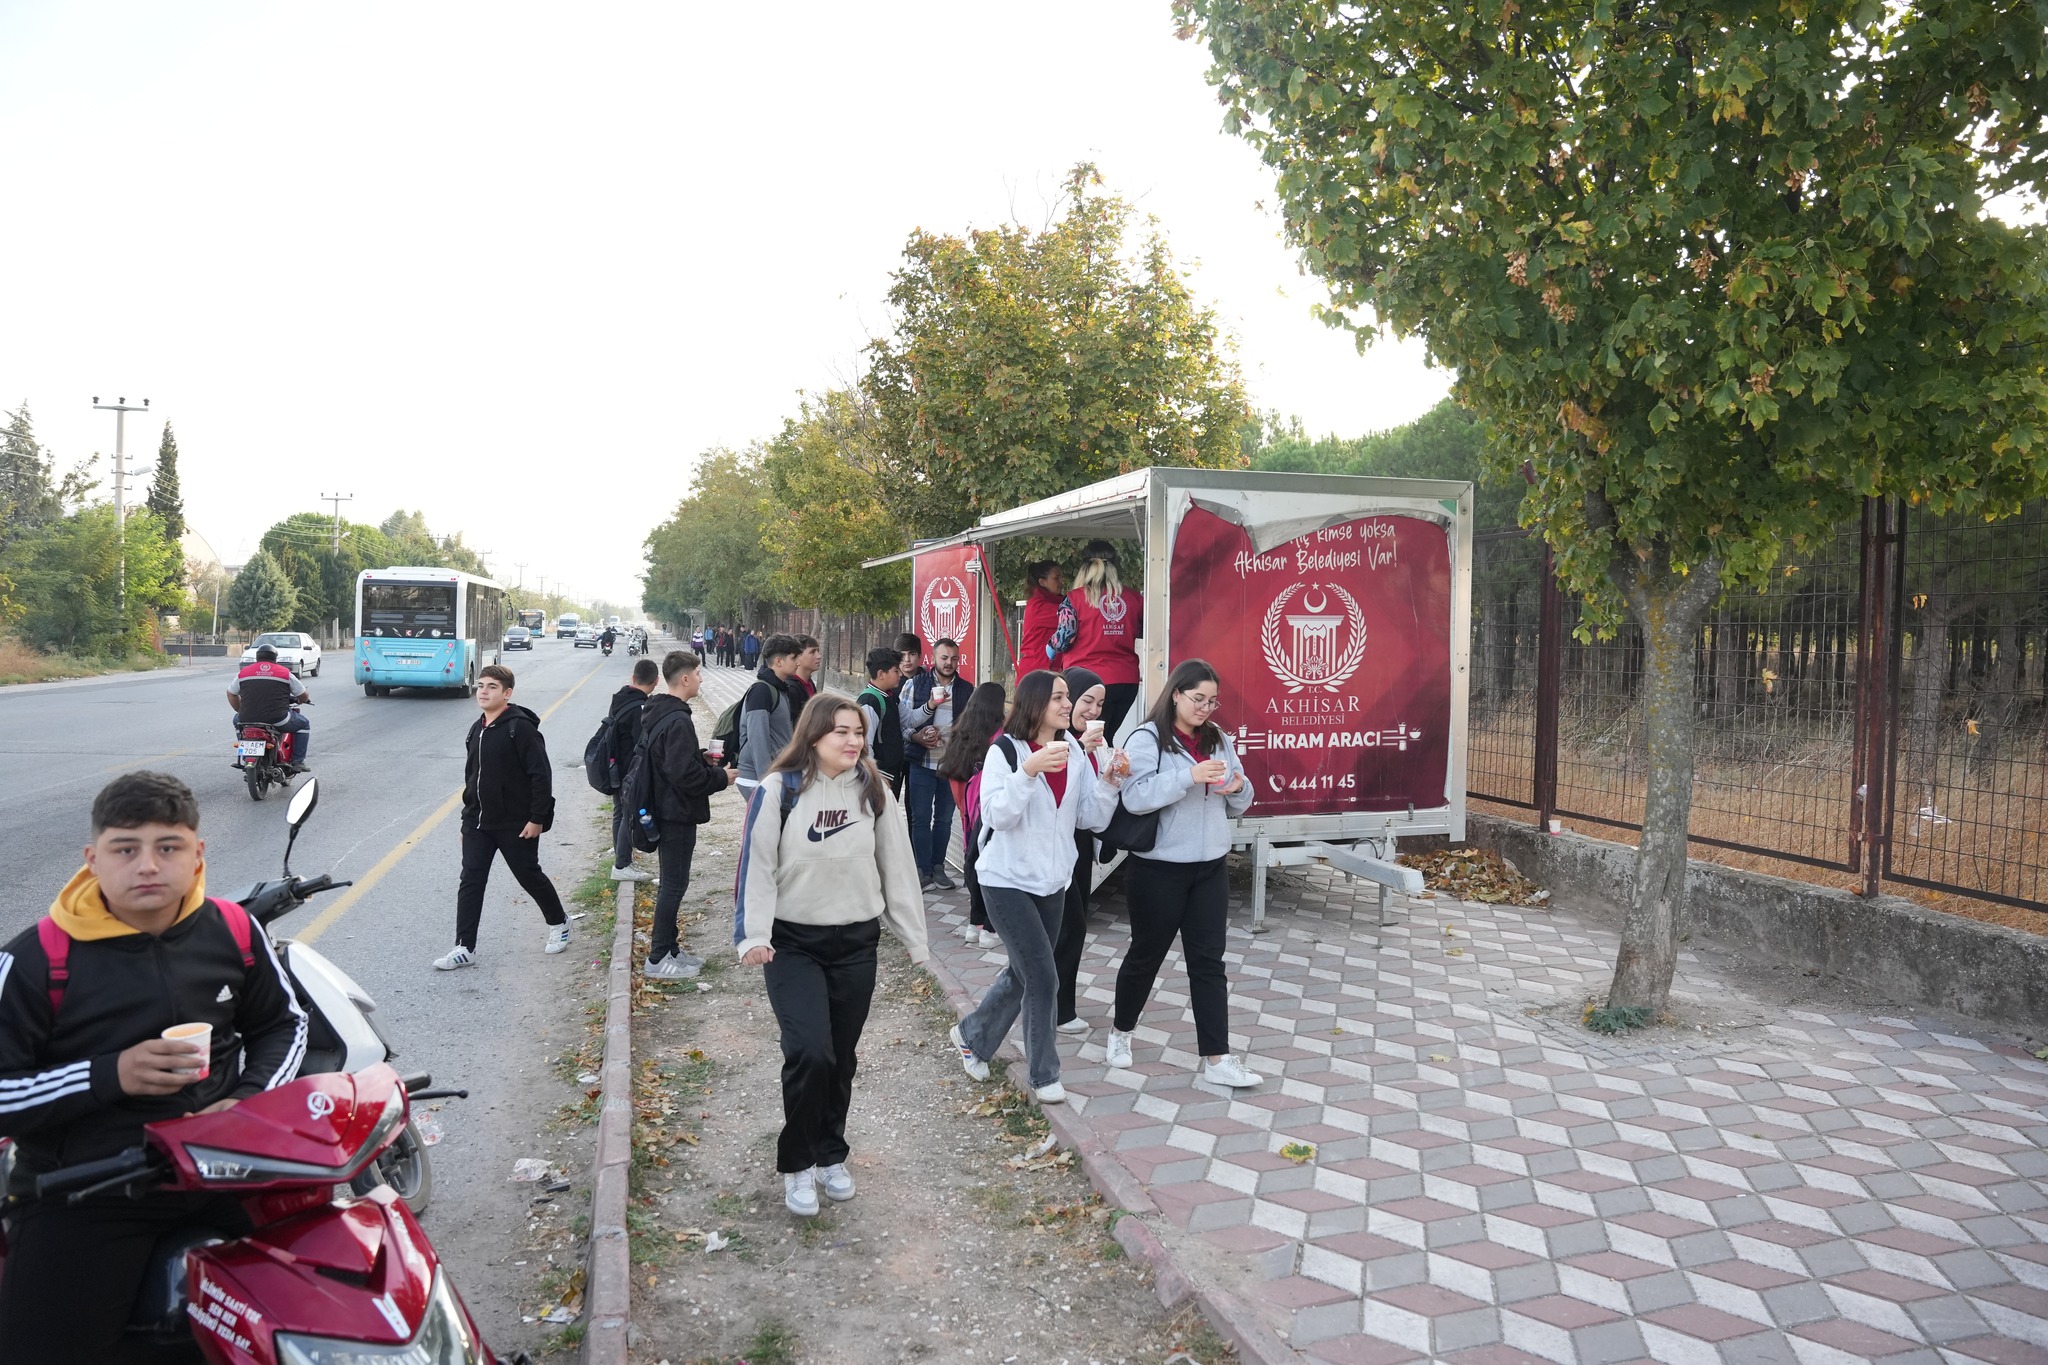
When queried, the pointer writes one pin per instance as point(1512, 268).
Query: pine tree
point(261, 597)
point(28, 497)
point(165, 499)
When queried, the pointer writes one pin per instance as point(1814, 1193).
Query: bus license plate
point(252, 748)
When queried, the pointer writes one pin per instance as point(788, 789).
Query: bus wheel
point(369, 689)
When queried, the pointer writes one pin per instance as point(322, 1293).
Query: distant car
point(519, 637)
point(587, 635)
point(295, 650)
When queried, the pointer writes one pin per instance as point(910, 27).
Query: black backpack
point(636, 788)
point(601, 766)
point(726, 729)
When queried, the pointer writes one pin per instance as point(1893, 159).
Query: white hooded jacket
point(1030, 841)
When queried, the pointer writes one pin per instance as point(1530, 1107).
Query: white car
point(295, 650)
point(587, 635)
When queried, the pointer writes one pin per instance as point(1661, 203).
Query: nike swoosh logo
point(818, 838)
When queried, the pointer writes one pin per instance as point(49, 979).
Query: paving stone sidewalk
point(1492, 1183)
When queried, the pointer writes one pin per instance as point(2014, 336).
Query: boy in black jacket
point(682, 780)
point(83, 1068)
point(508, 802)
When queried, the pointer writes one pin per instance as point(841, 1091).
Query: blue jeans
point(1029, 984)
point(931, 819)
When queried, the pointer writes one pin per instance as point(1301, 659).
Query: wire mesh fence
point(1899, 662)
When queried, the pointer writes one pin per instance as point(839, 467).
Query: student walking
point(1037, 787)
point(929, 702)
point(981, 720)
point(1184, 767)
point(768, 711)
point(1108, 619)
point(508, 802)
point(1086, 691)
point(679, 782)
point(824, 859)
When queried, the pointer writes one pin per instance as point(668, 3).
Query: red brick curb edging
point(1229, 1315)
point(609, 1301)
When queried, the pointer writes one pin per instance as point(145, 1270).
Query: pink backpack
point(57, 946)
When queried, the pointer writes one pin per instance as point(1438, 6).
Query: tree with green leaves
point(165, 498)
point(1024, 363)
point(712, 554)
point(1717, 278)
point(826, 515)
point(69, 582)
point(261, 597)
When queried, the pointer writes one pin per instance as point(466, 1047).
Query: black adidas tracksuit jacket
point(60, 1091)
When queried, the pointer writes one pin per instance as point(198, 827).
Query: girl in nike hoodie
point(824, 859)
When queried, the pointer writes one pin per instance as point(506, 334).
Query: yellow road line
point(329, 917)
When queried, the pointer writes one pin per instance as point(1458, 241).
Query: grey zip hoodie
point(1194, 822)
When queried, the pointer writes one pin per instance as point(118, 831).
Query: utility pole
point(121, 407)
point(522, 574)
point(337, 499)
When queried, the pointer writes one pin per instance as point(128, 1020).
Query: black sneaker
point(943, 882)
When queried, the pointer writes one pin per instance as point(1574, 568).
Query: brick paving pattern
point(1492, 1183)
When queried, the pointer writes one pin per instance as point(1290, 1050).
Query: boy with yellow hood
point(131, 947)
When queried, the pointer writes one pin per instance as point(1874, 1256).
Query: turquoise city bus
point(425, 628)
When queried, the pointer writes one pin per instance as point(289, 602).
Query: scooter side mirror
point(303, 801)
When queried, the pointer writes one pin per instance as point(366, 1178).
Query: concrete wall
point(1914, 955)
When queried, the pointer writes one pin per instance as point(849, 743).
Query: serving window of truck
point(1336, 610)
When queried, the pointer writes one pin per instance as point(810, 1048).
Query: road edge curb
point(1171, 1285)
point(610, 1273)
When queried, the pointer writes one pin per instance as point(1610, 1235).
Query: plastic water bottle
point(646, 822)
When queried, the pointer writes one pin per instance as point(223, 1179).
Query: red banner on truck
point(942, 603)
point(1335, 655)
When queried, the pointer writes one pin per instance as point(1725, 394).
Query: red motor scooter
point(326, 1278)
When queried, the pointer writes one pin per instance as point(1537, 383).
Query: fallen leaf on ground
point(1475, 875)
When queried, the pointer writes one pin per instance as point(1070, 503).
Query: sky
point(518, 265)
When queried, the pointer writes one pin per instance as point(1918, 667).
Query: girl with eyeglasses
point(1183, 766)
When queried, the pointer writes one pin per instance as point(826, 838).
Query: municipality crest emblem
point(1323, 640)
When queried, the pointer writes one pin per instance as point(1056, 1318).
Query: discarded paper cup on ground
point(198, 1037)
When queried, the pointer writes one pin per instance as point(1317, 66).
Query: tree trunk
point(1669, 607)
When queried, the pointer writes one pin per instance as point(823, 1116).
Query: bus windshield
point(409, 610)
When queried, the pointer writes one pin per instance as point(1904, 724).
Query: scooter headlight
point(219, 1164)
point(444, 1338)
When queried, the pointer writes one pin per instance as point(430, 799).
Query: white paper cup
point(198, 1037)
point(1092, 731)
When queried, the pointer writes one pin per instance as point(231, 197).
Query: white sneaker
point(631, 874)
point(674, 967)
point(1050, 1094)
point(971, 933)
point(799, 1194)
point(976, 1068)
point(1230, 1071)
point(1116, 1051)
point(838, 1182)
point(558, 939)
point(989, 940)
point(458, 956)
point(1074, 1027)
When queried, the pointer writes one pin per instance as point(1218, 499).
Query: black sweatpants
point(1073, 939)
point(522, 856)
point(73, 1273)
point(820, 985)
point(678, 844)
point(1191, 900)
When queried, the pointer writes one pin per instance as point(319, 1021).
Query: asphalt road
point(387, 770)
